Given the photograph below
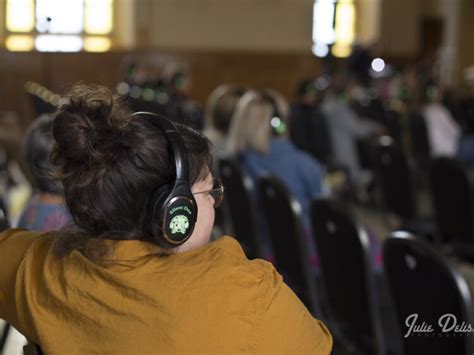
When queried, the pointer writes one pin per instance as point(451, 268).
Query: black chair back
point(395, 179)
point(4, 223)
point(283, 215)
point(238, 200)
point(419, 140)
point(393, 122)
point(452, 186)
point(424, 289)
point(344, 254)
point(4, 335)
point(310, 132)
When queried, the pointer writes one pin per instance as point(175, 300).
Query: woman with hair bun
point(135, 272)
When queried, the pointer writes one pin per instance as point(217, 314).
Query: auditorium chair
point(452, 187)
point(238, 202)
point(283, 215)
point(425, 287)
point(4, 224)
point(394, 177)
point(419, 141)
point(349, 283)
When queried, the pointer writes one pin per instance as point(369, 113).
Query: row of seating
point(452, 193)
point(365, 311)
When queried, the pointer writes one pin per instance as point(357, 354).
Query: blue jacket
point(300, 172)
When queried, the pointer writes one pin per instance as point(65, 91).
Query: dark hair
point(110, 162)
point(304, 87)
point(225, 107)
point(37, 147)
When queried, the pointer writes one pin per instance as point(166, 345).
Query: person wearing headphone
point(135, 273)
point(259, 132)
point(220, 108)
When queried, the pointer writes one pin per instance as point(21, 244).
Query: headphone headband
point(277, 123)
point(174, 139)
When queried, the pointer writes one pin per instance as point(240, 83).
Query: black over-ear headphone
point(172, 209)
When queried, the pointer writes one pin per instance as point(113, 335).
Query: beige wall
point(125, 17)
point(466, 42)
point(282, 25)
point(431, 8)
point(368, 20)
point(399, 27)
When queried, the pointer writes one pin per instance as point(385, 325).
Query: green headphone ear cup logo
point(179, 224)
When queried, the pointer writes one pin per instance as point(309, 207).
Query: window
point(59, 25)
point(333, 27)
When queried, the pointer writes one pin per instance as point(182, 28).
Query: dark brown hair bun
point(86, 127)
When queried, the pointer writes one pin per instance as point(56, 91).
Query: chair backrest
point(4, 223)
point(4, 335)
point(424, 289)
point(452, 186)
point(344, 254)
point(393, 122)
point(238, 200)
point(419, 140)
point(395, 179)
point(283, 216)
point(310, 132)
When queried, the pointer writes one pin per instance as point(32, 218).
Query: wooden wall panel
point(64, 69)
point(58, 71)
point(15, 70)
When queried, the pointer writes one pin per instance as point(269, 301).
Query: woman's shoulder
point(22, 238)
point(232, 264)
point(16, 244)
point(230, 252)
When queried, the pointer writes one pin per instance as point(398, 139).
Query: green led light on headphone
point(278, 125)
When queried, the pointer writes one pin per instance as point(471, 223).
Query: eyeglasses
point(217, 192)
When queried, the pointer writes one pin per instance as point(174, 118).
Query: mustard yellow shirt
point(210, 300)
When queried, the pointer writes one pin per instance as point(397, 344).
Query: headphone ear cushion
point(155, 210)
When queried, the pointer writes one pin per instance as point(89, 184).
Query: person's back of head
point(431, 92)
point(221, 106)
point(306, 93)
point(111, 164)
point(37, 147)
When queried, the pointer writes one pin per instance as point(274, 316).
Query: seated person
point(46, 209)
point(219, 111)
point(259, 133)
point(444, 133)
point(308, 126)
point(346, 128)
point(135, 273)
